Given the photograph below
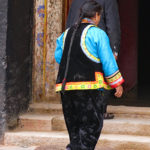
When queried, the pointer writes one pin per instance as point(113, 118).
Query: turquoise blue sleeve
point(98, 44)
point(59, 48)
point(106, 56)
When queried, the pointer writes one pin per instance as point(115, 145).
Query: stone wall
point(16, 36)
point(3, 35)
point(48, 26)
point(19, 58)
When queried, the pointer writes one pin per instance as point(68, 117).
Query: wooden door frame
point(65, 11)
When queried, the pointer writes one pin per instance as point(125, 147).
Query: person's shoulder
point(97, 34)
point(97, 30)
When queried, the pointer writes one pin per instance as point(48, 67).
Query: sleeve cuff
point(115, 80)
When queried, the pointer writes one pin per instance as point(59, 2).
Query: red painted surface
point(129, 44)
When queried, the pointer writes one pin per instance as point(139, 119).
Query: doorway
point(143, 54)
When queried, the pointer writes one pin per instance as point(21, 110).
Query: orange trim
point(97, 84)
point(118, 83)
point(84, 85)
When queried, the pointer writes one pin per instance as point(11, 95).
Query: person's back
point(110, 23)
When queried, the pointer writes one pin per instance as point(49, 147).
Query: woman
point(110, 23)
point(87, 66)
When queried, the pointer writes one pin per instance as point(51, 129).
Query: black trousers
point(83, 113)
point(107, 95)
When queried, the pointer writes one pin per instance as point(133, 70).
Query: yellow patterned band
point(85, 85)
point(84, 47)
point(64, 38)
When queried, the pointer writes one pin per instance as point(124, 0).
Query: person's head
point(92, 10)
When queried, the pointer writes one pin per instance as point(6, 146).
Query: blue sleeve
point(98, 45)
point(106, 56)
point(59, 49)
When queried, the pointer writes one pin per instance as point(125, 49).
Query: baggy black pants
point(107, 95)
point(83, 113)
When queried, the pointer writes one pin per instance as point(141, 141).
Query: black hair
point(88, 10)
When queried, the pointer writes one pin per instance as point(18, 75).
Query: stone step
point(41, 122)
point(126, 126)
point(60, 140)
point(129, 112)
point(50, 108)
point(119, 111)
point(2, 147)
point(129, 126)
point(35, 122)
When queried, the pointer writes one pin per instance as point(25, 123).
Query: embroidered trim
point(87, 20)
point(85, 85)
point(84, 48)
point(64, 38)
point(115, 80)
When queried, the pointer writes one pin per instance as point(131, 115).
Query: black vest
point(81, 68)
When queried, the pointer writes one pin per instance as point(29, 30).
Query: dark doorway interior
point(142, 98)
point(128, 62)
point(128, 11)
point(144, 55)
